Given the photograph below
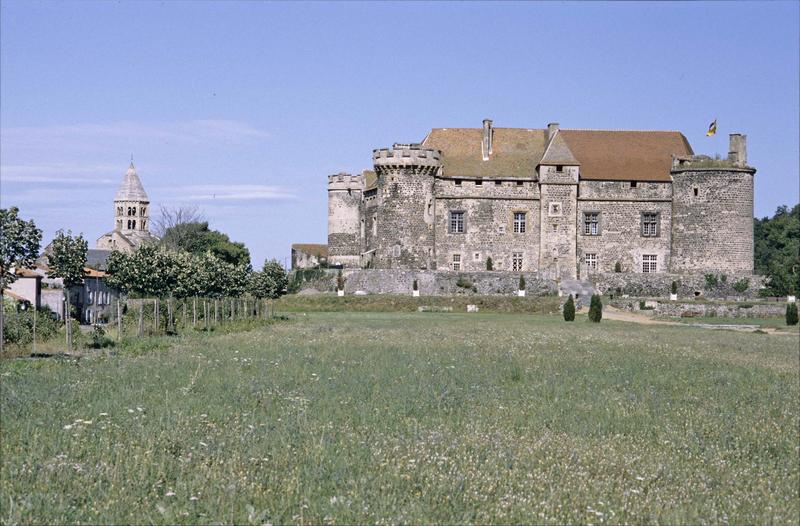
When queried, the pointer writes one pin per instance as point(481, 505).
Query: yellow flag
point(712, 128)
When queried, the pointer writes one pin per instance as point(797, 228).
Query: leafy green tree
point(197, 238)
point(19, 245)
point(777, 250)
point(791, 314)
point(596, 309)
point(522, 283)
point(569, 309)
point(67, 261)
point(270, 282)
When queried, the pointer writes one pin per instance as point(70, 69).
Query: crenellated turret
point(404, 229)
point(345, 217)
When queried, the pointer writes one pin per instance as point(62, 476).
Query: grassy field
point(341, 418)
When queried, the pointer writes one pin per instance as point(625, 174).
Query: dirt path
point(612, 313)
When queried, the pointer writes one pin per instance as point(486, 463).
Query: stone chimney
point(737, 151)
point(551, 130)
point(486, 144)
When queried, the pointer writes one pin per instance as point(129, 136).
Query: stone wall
point(488, 223)
point(433, 283)
point(712, 230)
point(689, 285)
point(719, 310)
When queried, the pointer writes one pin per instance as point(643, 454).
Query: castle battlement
point(346, 181)
point(406, 156)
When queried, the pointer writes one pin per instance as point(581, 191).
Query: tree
point(340, 280)
point(522, 283)
point(617, 267)
point(19, 245)
point(67, 261)
point(674, 288)
point(596, 309)
point(196, 238)
point(569, 309)
point(777, 250)
point(170, 217)
point(489, 263)
point(270, 282)
point(791, 314)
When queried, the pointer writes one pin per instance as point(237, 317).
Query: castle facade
point(564, 203)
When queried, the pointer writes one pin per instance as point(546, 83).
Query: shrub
point(711, 281)
point(463, 283)
point(414, 285)
point(674, 288)
point(723, 278)
point(489, 263)
point(791, 314)
point(617, 267)
point(742, 285)
point(340, 280)
point(569, 309)
point(596, 309)
point(522, 283)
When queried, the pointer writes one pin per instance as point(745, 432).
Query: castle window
point(519, 183)
point(476, 256)
point(559, 168)
point(129, 224)
point(478, 183)
point(516, 261)
point(458, 182)
point(144, 224)
point(633, 184)
point(649, 263)
point(650, 224)
point(498, 183)
point(134, 224)
point(591, 223)
point(695, 192)
point(456, 261)
point(456, 222)
point(591, 261)
point(519, 222)
point(144, 210)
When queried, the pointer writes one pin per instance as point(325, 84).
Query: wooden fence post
point(119, 320)
point(194, 311)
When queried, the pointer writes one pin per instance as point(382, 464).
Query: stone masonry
point(564, 204)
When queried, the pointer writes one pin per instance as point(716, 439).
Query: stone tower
point(345, 211)
point(405, 223)
point(131, 216)
point(712, 212)
point(558, 187)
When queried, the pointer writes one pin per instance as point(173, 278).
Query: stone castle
point(131, 216)
point(562, 203)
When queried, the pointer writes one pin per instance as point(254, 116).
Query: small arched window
point(134, 224)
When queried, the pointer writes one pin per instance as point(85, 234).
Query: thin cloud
point(57, 173)
point(194, 132)
point(234, 192)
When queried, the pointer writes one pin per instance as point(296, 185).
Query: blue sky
point(243, 109)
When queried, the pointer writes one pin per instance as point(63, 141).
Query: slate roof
point(515, 151)
point(626, 155)
point(609, 155)
point(97, 257)
point(312, 249)
point(558, 152)
point(131, 188)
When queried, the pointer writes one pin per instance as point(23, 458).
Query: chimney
point(551, 130)
point(737, 151)
point(486, 145)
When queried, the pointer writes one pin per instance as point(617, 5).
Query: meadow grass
point(341, 418)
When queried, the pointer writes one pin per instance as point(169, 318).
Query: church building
point(131, 216)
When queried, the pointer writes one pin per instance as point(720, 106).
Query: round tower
point(131, 205)
point(712, 212)
point(345, 211)
point(405, 222)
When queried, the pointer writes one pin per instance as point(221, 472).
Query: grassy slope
point(355, 417)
